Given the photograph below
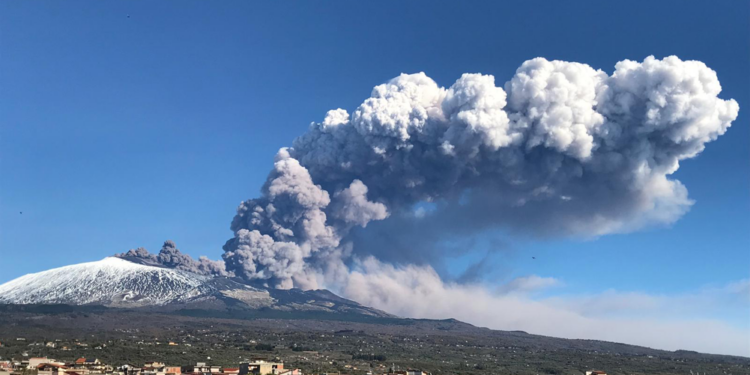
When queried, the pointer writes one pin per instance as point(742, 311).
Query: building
point(6, 367)
point(407, 372)
point(34, 362)
point(129, 370)
point(84, 366)
point(261, 367)
point(158, 368)
point(201, 368)
point(87, 362)
point(51, 369)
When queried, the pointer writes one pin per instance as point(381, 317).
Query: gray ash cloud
point(171, 257)
point(561, 149)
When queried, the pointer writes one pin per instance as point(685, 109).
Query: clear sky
point(123, 124)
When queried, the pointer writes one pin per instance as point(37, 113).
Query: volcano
point(120, 283)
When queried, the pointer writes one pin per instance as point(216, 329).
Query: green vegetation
point(441, 347)
point(264, 347)
point(370, 357)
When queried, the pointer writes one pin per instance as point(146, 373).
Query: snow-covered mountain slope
point(110, 281)
point(117, 282)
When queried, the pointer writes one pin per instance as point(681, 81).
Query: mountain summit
point(121, 283)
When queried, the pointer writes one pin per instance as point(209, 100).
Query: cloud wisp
point(658, 321)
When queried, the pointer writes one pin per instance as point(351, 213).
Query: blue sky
point(123, 124)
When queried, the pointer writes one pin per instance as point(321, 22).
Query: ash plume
point(171, 257)
point(561, 149)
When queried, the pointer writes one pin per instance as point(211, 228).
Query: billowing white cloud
point(556, 102)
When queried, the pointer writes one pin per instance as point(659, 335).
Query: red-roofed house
point(86, 365)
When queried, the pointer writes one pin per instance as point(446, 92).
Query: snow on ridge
point(108, 281)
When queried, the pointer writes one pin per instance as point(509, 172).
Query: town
point(88, 365)
point(92, 366)
point(27, 364)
